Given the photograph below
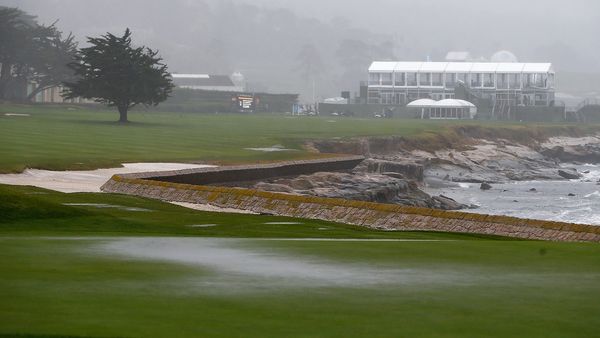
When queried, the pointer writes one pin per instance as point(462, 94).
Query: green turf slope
point(59, 279)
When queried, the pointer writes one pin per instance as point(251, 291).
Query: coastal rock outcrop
point(361, 186)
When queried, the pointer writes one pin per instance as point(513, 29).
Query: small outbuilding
point(444, 109)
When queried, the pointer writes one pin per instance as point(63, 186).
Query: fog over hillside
point(287, 46)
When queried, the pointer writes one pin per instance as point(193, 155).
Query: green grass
point(32, 211)
point(55, 283)
point(57, 138)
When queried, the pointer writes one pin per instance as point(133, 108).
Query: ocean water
point(549, 201)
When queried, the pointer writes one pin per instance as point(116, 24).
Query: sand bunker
point(212, 208)
point(84, 181)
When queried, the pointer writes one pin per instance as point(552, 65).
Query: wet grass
point(62, 287)
point(75, 138)
point(63, 138)
point(32, 211)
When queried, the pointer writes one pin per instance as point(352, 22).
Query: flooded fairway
point(246, 263)
point(138, 283)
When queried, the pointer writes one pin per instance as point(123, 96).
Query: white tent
point(444, 109)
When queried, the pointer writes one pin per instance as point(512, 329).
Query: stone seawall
point(245, 173)
point(373, 215)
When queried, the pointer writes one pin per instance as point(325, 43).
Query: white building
point(503, 83)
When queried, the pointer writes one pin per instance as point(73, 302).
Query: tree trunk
point(123, 114)
point(37, 90)
point(5, 77)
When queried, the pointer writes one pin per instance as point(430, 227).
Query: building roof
point(480, 67)
point(537, 68)
point(202, 80)
point(453, 103)
point(459, 67)
point(190, 76)
point(433, 67)
point(447, 103)
point(383, 66)
point(510, 67)
point(422, 103)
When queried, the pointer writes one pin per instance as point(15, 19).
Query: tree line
point(111, 71)
point(31, 54)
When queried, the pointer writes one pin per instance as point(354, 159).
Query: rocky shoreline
point(396, 175)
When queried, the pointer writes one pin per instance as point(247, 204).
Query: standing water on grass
point(545, 200)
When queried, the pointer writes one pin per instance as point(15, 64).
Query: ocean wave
point(594, 194)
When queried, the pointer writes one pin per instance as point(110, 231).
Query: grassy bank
point(58, 280)
point(58, 138)
point(63, 138)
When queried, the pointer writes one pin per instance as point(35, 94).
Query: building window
point(462, 77)
point(450, 80)
point(513, 81)
point(411, 79)
point(502, 81)
point(437, 79)
point(488, 80)
point(475, 80)
point(373, 79)
point(387, 98)
point(373, 97)
point(425, 79)
point(400, 79)
point(400, 98)
point(528, 80)
point(386, 79)
point(541, 99)
point(540, 80)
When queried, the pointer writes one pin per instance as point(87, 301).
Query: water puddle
point(105, 206)
point(249, 264)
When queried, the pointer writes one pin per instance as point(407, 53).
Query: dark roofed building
point(207, 82)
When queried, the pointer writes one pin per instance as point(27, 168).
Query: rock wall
point(373, 215)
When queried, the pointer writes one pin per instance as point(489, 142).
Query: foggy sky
point(557, 31)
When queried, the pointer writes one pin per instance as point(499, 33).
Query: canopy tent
point(444, 109)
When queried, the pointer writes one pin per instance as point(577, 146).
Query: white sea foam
point(550, 201)
point(594, 194)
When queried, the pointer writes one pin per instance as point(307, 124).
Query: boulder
point(447, 203)
point(485, 186)
point(570, 174)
